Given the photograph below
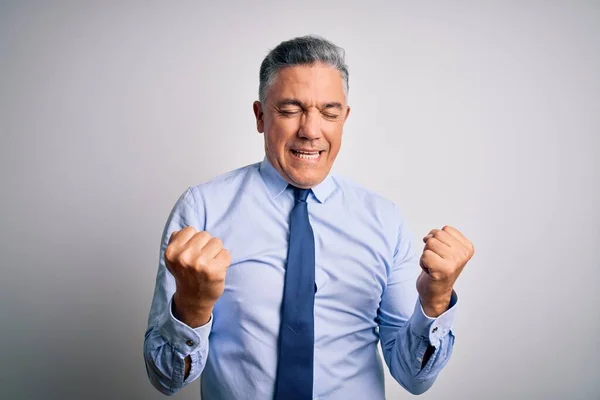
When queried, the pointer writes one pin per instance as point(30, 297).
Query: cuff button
point(190, 343)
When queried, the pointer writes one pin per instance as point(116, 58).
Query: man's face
point(302, 120)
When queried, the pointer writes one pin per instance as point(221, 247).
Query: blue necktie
point(296, 335)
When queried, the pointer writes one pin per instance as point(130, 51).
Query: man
point(278, 279)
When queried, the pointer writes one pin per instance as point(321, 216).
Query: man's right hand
point(199, 263)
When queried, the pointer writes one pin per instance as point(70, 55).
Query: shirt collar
point(324, 189)
point(277, 185)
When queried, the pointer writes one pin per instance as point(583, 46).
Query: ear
point(347, 113)
point(258, 113)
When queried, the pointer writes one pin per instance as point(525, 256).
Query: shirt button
point(419, 359)
point(190, 343)
point(434, 330)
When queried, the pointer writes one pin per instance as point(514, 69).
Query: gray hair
point(305, 50)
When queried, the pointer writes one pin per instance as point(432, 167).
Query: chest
point(351, 259)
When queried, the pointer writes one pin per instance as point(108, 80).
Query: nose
point(310, 125)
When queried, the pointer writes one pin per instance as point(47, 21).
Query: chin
point(306, 182)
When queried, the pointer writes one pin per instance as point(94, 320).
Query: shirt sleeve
point(404, 328)
point(168, 341)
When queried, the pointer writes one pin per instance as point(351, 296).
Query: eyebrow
point(298, 103)
point(333, 104)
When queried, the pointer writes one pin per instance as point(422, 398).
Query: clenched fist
point(445, 255)
point(199, 263)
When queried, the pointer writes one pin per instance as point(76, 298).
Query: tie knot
point(301, 194)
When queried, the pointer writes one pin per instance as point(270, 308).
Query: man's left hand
point(445, 255)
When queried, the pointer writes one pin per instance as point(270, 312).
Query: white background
point(481, 115)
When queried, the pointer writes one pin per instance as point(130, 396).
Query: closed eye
point(330, 115)
point(329, 110)
point(289, 113)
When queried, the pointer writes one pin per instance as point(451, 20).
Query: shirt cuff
point(182, 337)
point(434, 329)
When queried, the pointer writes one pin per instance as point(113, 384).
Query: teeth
point(306, 156)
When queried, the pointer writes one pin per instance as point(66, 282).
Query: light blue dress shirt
point(366, 269)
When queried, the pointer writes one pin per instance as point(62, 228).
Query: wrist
point(191, 312)
point(436, 305)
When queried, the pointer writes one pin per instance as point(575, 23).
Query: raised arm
point(190, 278)
point(416, 326)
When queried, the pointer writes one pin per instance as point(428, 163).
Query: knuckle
point(187, 258)
point(223, 254)
point(227, 254)
point(471, 248)
point(203, 235)
point(217, 241)
point(466, 254)
point(226, 261)
point(200, 263)
point(434, 274)
point(188, 229)
point(169, 253)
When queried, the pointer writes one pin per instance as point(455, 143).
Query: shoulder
point(223, 185)
point(212, 197)
point(359, 196)
point(366, 204)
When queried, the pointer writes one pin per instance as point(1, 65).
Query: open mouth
point(307, 154)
